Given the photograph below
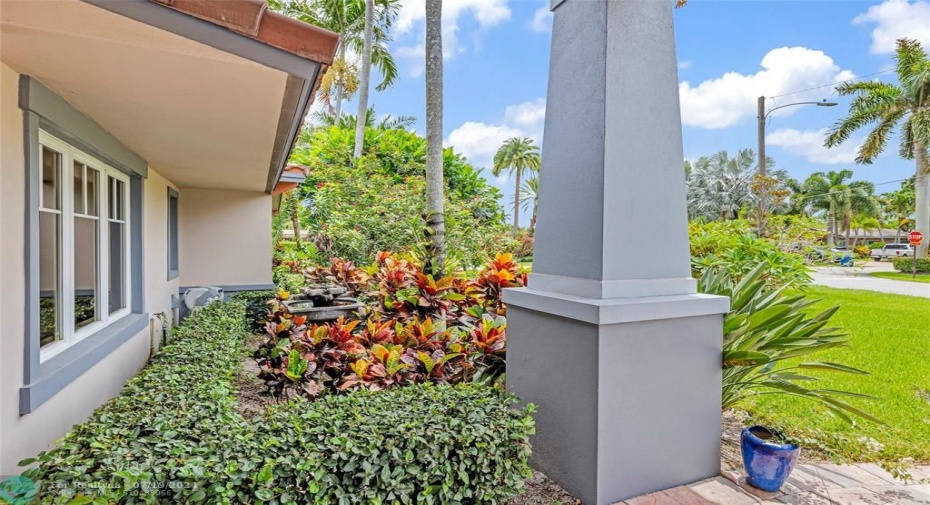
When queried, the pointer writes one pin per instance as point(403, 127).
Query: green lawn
point(898, 276)
point(890, 337)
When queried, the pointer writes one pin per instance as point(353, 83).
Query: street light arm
point(820, 104)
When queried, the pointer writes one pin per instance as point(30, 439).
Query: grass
point(890, 338)
point(899, 276)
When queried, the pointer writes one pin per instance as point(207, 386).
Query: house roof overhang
point(211, 93)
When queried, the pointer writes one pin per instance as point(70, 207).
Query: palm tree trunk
point(516, 205)
point(831, 226)
point(295, 216)
point(435, 221)
point(365, 79)
point(846, 224)
point(922, 186)
point(533, 218)
point(340, 56)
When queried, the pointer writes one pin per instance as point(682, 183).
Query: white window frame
point(65, 306)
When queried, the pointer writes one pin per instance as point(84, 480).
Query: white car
point(892, 251)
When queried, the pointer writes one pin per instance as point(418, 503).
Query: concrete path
point(861, 484)
point(859, 278)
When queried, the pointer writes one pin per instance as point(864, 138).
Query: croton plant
point(414, 329)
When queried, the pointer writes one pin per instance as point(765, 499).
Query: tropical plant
point(347, 18)
point(516, 156)
point(899, 207)
point(720, 186)
point(887, 106)
point(529, 196)
point(839, 199)
point(768, 337)
point(733, 247)
point(861, 222)
point(435, 216)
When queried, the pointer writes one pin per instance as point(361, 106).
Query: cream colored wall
point(24, 436)
point(225, 238)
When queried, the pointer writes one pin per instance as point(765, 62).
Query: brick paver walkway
point(862, 484)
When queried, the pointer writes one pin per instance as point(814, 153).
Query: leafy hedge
point(256, 308)
point(906, 264)
point(174, 436)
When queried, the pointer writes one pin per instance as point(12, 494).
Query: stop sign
point(915, 237)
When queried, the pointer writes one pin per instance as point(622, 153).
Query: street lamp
point(763, 114)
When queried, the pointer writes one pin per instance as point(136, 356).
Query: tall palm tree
point(347, 18)
point(435, 221)
point(516, 156)
point(839, 199)
point(529, 195)
point(365, 79)
point(887, 106)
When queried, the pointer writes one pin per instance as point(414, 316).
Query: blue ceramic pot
point(768, 463)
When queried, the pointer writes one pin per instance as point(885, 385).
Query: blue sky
point(730, 52)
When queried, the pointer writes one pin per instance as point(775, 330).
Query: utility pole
point(760, 174)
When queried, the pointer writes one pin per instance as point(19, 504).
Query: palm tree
point(347, 18)
point(365, 79)
point(529, 196)
point(866, 222)
point(831, 193)
point(516, 155)
point(887, 105)
point(719, 186)
point(435, 221)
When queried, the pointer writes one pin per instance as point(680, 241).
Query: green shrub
point(764, 332)
point(876, 245)
point(424, 444)
point(907, 264)
point(862, 251)
point(174, 435)
point(256, 308)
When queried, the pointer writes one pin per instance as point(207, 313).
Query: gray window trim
point(174, 250)
point(69, 124)
point(43, 109)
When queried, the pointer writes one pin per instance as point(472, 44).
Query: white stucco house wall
point(140, 144)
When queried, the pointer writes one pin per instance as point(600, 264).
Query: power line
point(874, 184)
point(832, 84)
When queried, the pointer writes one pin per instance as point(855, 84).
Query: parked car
point(892, 251)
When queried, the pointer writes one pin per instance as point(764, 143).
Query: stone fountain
point(322, 303)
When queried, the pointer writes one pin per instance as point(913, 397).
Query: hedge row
point(174, 436)
point(906, 264)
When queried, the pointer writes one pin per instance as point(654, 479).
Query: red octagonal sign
point(915, 237)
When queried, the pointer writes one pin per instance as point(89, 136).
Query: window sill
point(66, 366)
point(172, 275)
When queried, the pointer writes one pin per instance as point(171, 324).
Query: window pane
point(172, 232)
point(117, 267)
point(92, 205)
point(49, 278)
point(51, 176)
point(85, 271)
point(117, 189)
point(78, 188)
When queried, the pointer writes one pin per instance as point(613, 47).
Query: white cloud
point(542, 19)
point(479, 141)
point(412, 17)
point(731, 98)
point(809, 145)
point(527, 114)
point(684, 64)
point(895, 19)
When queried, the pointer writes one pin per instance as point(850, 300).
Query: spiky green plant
point(765, 333)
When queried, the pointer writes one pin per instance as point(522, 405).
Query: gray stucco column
point(610, 340)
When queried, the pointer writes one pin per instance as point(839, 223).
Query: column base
point(627, 390)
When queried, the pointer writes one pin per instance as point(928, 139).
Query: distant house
point(886, 235)
point(141, 143)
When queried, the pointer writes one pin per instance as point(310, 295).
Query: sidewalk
point(861, 484)
point(854, 278)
